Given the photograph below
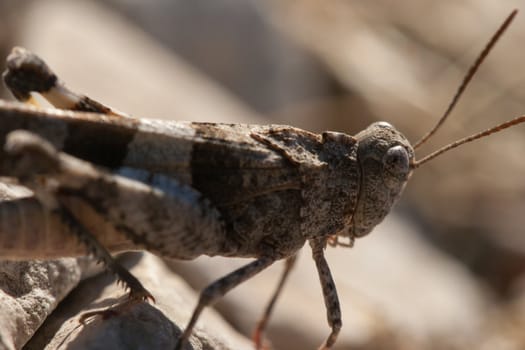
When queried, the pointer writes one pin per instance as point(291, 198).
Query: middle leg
point(219, 288)
point(258, 333)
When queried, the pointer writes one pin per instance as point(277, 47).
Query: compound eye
point(396, 161)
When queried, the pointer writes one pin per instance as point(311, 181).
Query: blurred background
point(445, 270)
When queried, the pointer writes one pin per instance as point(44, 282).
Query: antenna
point(468, 139)
point(417, 163)
point(466, 80)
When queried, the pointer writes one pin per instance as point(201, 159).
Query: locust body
point(261, 189)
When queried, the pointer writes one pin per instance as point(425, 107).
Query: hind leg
point(37, 165)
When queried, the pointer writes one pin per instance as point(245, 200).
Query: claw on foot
point(140, 295)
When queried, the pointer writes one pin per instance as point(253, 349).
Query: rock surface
point(29, 291)
point(142, 326)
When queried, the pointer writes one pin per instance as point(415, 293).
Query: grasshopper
point(181, 189)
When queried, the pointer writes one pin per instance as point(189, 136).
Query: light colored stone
point(29, 291)
point(143, 326)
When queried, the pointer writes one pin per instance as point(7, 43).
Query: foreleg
point(331, 300)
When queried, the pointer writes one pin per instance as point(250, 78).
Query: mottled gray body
point(257, 190)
